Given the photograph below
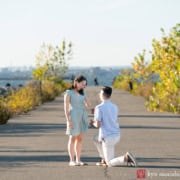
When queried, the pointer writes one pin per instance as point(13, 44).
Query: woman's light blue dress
point(78, 114)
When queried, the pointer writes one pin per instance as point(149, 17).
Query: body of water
point(13, 83)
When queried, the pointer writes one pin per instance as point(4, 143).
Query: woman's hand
point(69, 125)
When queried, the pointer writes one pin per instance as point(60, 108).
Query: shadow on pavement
point(149, 127)
point(149, 116)
point(42, 158)
point(165, 162)
point(145, 116)
point(22, 160)
point(29, 129)
point(14, 161)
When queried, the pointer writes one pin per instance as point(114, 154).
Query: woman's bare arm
point(66, 110)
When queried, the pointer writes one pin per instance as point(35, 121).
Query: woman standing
point(75, 104)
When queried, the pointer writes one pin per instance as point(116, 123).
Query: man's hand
point(92, 110)
point(96, 124)
point(91, 123)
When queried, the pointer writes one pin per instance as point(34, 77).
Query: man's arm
point(96, 124)
point(97, 118)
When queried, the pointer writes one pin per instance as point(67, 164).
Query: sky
point(103, 32)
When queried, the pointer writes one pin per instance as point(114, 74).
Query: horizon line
point(85, 66)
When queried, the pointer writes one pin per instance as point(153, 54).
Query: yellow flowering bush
point(5, 112)
point(24, 99)
point(158, 80)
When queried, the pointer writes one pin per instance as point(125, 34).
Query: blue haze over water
point(105, 75)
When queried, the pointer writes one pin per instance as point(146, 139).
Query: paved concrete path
point(34, 146)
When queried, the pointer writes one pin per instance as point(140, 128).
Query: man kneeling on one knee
point(106, 119)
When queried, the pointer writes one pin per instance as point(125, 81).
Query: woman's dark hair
point(107, 91)
point(79, 79)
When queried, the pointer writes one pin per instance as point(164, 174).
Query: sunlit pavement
point(34, 146)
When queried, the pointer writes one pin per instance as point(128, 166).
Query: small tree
point(140, 67)
point(52, 62)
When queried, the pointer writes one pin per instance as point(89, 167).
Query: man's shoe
point(101, 163)
point(131, 159)
point(80, 163)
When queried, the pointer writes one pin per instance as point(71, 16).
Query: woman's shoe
point(73, 163)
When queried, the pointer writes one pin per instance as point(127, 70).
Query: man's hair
point(107, 91)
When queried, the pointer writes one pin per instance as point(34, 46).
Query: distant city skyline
point(103, 32)
point(17, 76)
